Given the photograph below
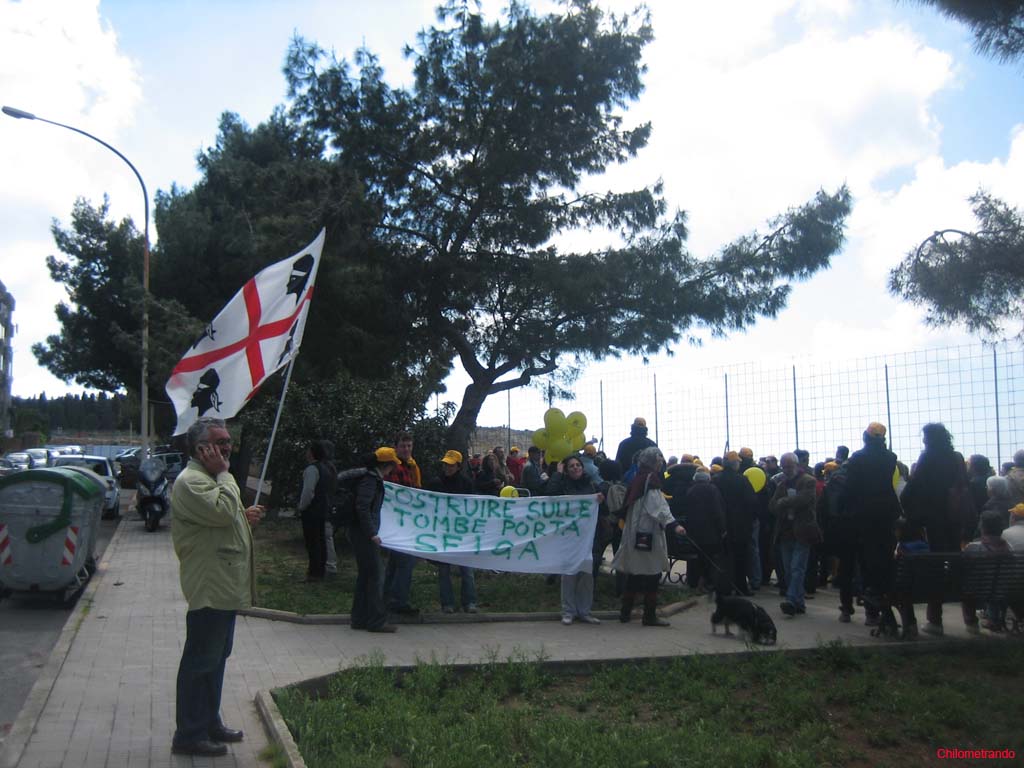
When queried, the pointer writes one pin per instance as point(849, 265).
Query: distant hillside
point(484, 439)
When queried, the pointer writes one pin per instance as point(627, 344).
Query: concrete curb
point(272, 614)
point(277, 729)
point(25, 725)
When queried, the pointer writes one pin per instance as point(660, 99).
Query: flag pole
point(273, 431)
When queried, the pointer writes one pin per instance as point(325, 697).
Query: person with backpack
point(361, 501)
point(319, 481)
point(454, 480)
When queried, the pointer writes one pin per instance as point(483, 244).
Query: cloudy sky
point(755, 105)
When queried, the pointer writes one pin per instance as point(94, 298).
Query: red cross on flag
point(256, 334)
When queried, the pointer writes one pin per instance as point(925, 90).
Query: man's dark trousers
point(209, 636)
point(315, 535)
point(368, 610)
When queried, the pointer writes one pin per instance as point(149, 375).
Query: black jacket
point(937, 498)
point(369, 498)
point(637, 441)
point(868, 496)
point(457, 483)
point(561, 484)
point(705, 517)
point(740, 503)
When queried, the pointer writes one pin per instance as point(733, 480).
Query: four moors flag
point(257, 333)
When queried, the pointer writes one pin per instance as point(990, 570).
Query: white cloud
point(60, 62)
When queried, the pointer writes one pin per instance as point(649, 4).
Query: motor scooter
point(151, 497)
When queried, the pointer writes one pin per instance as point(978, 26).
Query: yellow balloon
point(577, 422)
point(756, 477)
point(577, 441)
point(554, 421)
point(558, 449)
point(509, 492)
point(541, 438)
point(896, 478)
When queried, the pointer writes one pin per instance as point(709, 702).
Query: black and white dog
point(751, 618)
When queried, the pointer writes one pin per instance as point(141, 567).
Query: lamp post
point(144, 393)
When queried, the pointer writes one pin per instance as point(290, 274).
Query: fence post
point(656, 409)
point(602, 414)
point(888, 409)
point(508, 430)
point(796, 420)
point(726, 375)
point(999, 442)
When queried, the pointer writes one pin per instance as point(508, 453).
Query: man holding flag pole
point(257, 333)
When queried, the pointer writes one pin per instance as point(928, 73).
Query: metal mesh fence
point(976, 391)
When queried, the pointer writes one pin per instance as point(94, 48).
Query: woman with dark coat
point(577, 588)
point(937, 498)
point(706, 526)
point(489, 482)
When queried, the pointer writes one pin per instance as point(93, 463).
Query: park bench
point(952, 576)
point(679, 548)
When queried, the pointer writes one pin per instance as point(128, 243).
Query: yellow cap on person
point(386, 455)
point(452, 457)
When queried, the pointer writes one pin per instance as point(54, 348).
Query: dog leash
point(708, 559)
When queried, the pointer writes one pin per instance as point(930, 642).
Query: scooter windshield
point(151, 470)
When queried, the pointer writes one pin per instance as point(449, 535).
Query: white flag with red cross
point(256, 334)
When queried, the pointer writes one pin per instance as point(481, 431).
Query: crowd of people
point(796, 527)
point(844, 521)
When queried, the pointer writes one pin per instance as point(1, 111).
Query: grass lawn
point(832, 707)
point(281, 567)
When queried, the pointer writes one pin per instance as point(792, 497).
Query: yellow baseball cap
point(385, 455)
point(452, 457)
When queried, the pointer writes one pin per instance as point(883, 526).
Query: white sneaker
point(471, 608)
point(589, 619)
point(567, 620)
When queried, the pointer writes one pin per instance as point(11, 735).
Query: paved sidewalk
point(106, 697)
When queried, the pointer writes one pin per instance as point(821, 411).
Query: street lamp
point(144, 419)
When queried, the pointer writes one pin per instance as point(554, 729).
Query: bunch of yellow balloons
point(561, 435)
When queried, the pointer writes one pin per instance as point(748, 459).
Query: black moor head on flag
point(300, 275)
point(208, 331)
point(205, 397)
point(288, 344)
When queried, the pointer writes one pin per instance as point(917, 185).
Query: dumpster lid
point(75, 482)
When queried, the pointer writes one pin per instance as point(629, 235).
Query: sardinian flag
point(256, 334)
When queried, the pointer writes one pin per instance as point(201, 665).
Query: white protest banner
point(542, 534)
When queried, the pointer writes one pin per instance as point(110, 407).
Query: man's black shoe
point(788, 608)
point(223, 733)
point(406, 610)
point(203, 748)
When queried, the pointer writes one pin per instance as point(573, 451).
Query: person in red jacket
point(515, 463)
point(398, 578)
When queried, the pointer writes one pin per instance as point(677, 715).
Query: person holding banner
point(398, 576)
point(368, 611)
point(454, 481)
point(643, 555)
point(577, 588)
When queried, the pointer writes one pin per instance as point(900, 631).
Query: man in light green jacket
point(212, 538)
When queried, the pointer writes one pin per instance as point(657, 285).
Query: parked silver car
point(20, 459)
point(103, 467)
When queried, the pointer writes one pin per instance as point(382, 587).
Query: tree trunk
point(457, 437)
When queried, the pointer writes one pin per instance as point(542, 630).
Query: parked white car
point(103, 467)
